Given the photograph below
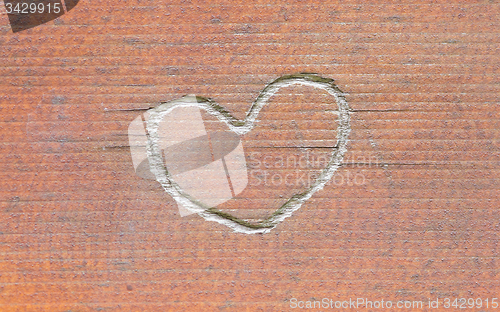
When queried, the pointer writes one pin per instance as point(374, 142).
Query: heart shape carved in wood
point(171, 180)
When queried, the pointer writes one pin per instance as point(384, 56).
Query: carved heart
point(240, 127)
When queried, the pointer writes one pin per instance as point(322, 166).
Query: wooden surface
point(79, 231)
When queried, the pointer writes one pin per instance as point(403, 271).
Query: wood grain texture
point(79, 231)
